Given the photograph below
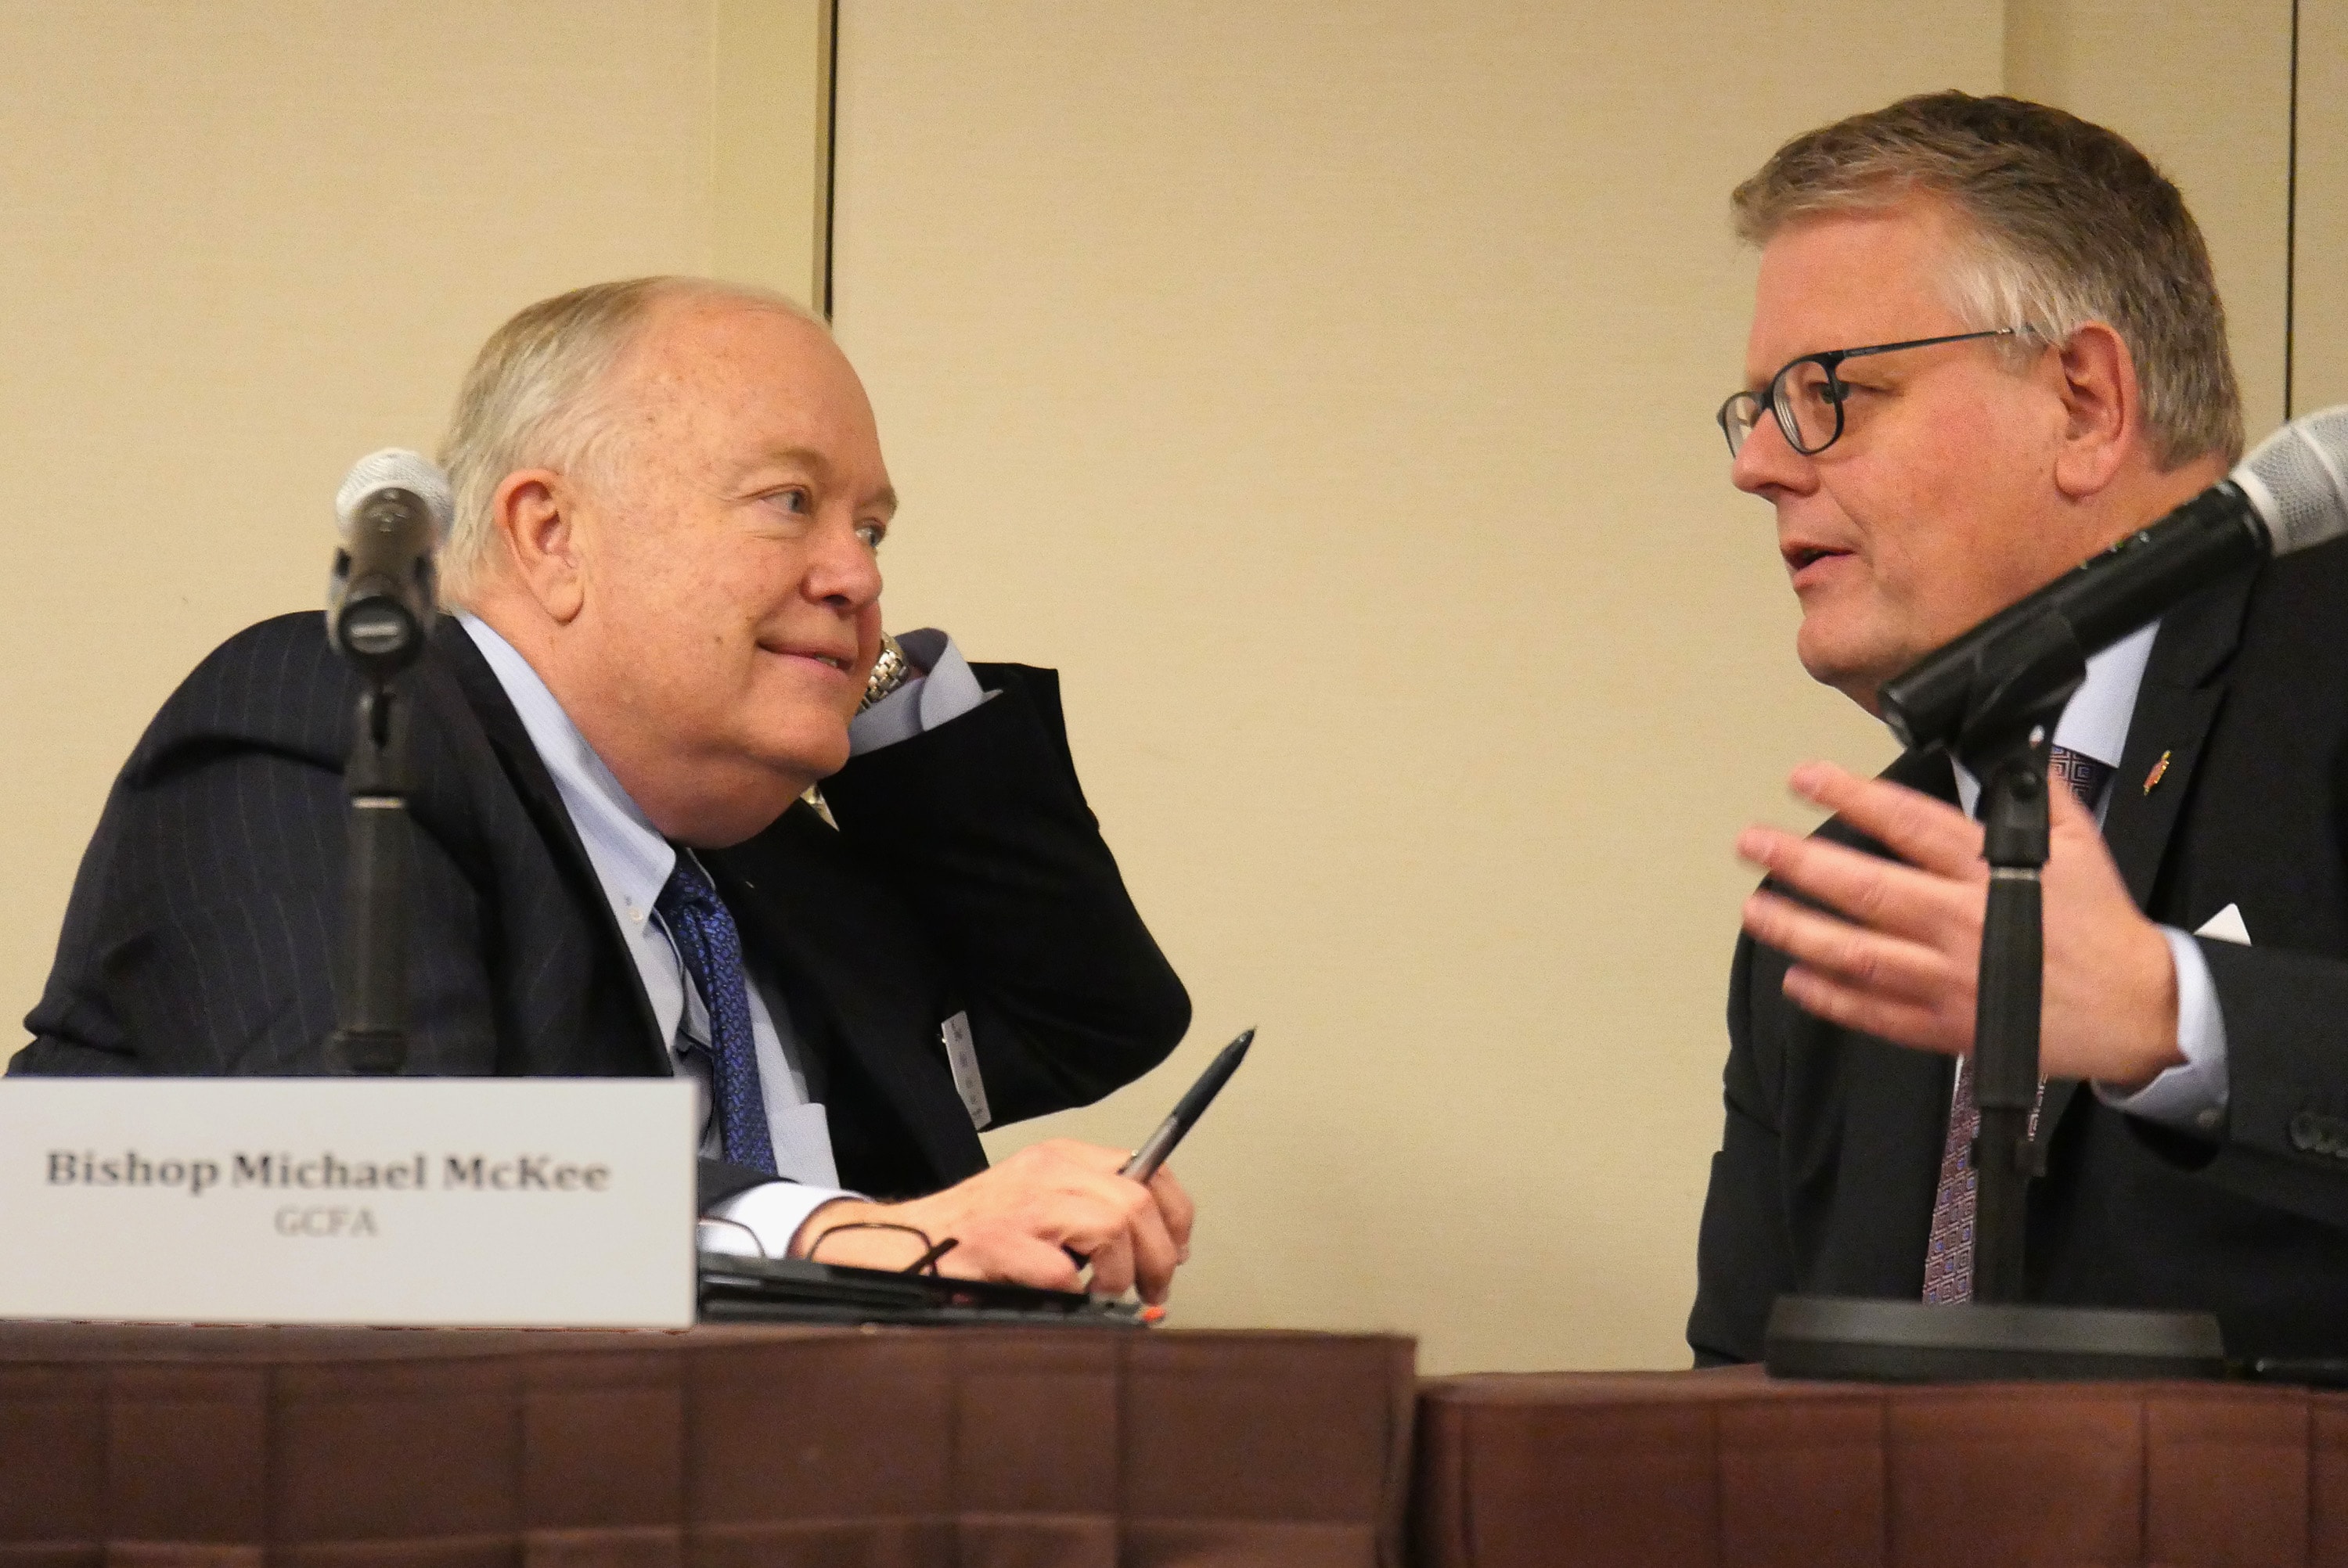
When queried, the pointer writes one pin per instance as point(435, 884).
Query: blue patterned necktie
point(1949, 1251)
point(704, 933)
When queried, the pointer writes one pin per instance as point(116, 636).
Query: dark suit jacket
point(1825, 1177)
point(966, 874)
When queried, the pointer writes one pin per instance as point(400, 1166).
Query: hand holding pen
point(1145, 1161)
point(1046, 1214)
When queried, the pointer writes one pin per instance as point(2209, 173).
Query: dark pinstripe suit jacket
point(967, 874)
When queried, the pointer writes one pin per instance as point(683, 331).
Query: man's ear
point(2102, 412)
point(531, 511)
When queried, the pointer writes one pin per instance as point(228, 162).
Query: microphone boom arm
point(2101, 601)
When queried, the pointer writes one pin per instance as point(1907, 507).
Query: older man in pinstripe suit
point(671, 495)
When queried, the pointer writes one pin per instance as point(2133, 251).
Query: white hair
point(539, 394)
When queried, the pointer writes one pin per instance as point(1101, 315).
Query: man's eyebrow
point(817, 466)
point(806, 459)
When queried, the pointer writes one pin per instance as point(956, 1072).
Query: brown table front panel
point(721, 1447)
point(1727, 1469)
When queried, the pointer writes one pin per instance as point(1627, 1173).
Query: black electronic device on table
point(740, 1289)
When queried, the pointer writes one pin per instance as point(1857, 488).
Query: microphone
point(2288, 495)
point(391, 513)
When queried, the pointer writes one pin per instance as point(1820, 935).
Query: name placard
point(453, 1202)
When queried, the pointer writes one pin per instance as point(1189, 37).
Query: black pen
point(1180, 1120)
point(1187, 1110)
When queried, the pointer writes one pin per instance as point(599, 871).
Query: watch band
point(890, 670)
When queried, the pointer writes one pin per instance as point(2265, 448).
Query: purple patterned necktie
point(1949, 1253)
point(705, 938)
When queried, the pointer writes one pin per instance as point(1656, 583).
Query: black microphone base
point(1849, 1340)
point(367, 1052)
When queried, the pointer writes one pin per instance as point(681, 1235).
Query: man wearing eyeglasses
point(1986, 345)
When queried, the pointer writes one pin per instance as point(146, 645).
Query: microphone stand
point(380, 610)
point(2003, 740)
point(370, 1035)
point(2005, 743)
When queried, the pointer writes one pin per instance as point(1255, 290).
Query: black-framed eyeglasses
point(925, 1263)
point(1808, 397)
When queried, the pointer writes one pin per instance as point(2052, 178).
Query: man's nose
point(844, 571)
point(1769, 462)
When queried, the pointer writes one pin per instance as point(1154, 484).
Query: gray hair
point(537, 396)
point(2062, 222)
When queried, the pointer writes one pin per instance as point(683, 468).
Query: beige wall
point(2205, 89)
point(2320, 370)
point(770, 166)
point(1325, 389)
point(1328, 391)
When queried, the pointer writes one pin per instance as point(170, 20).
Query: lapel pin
point(2158, 769)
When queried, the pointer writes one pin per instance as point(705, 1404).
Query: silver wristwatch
point(890, 670)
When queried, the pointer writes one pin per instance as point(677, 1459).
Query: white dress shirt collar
point(629, 854)
point(2095, 722)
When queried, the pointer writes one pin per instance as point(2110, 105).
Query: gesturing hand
point(1904, 960)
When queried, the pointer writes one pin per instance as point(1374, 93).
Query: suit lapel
point(2174, 706)
point(544, 802)
point(2175, 703)
point(504, 727)
point(843, 947)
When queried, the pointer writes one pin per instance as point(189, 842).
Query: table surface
point(723, 1446)
point(1730, 1468)
point(729, 1446)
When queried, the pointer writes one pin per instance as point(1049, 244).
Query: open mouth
point(1800, 557)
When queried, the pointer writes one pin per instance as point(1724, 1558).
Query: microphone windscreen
point(2296, 478)
point(395, 466)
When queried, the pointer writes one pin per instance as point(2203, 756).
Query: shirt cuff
point(945, 692)
point(2190, 1096)
point(771, 1212)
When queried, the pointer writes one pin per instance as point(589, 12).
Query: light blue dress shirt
point(632, 863)
point(2191, 1095)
